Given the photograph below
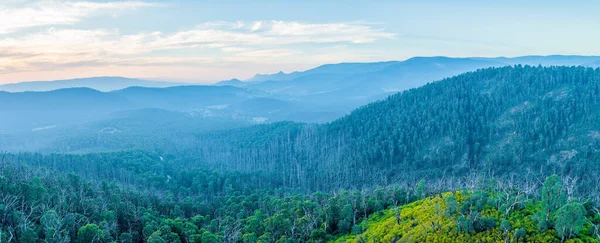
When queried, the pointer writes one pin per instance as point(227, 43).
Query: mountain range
point(318, 95)
point(31, 110)
point(97, 83)
point(350, 85)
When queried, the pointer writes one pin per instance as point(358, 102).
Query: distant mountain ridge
point(534, 60)
point(97, 83)
point(26, 111)
point(340, 68)
point(346, 86)
point(335, 72)
point(233, 82)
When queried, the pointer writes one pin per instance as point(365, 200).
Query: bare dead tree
point(570, 185)
point(233, 231)
point(511, 196)
point(10, 203)
point(9, 238)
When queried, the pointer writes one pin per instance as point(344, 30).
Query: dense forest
point(143, 197)
point(505, 121)
point(501, 154)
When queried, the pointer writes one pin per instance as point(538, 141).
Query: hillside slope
point(497, 117)
point(507, 120)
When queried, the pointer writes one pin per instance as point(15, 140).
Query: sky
point(208, 41)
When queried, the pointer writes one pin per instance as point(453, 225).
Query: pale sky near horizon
point(207, 41)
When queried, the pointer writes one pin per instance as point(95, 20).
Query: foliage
point(570, 220)
point(136, 197)
point(429, 220)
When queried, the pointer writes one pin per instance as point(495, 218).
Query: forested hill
point(522, 112)
point(504, 120)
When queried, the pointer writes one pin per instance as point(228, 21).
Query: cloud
point(264, 55)
point(46, 13)
point(256, 26)
point(327, 33)
point(227, 34)
point(234, 49)
point(232, 42)
point(270, 53)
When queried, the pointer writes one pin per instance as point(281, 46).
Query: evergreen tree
point(570, 220)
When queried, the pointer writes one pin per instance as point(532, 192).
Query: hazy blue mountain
point(40, 110)
point(358, 68)
point(186, 97)
point(302, 85)
point(552, 60)
point(341, 68)
point(345, 86)
point(97, 83)
point(72, 98)
point(35, 111)
point(276, 76)
point(233, 82)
